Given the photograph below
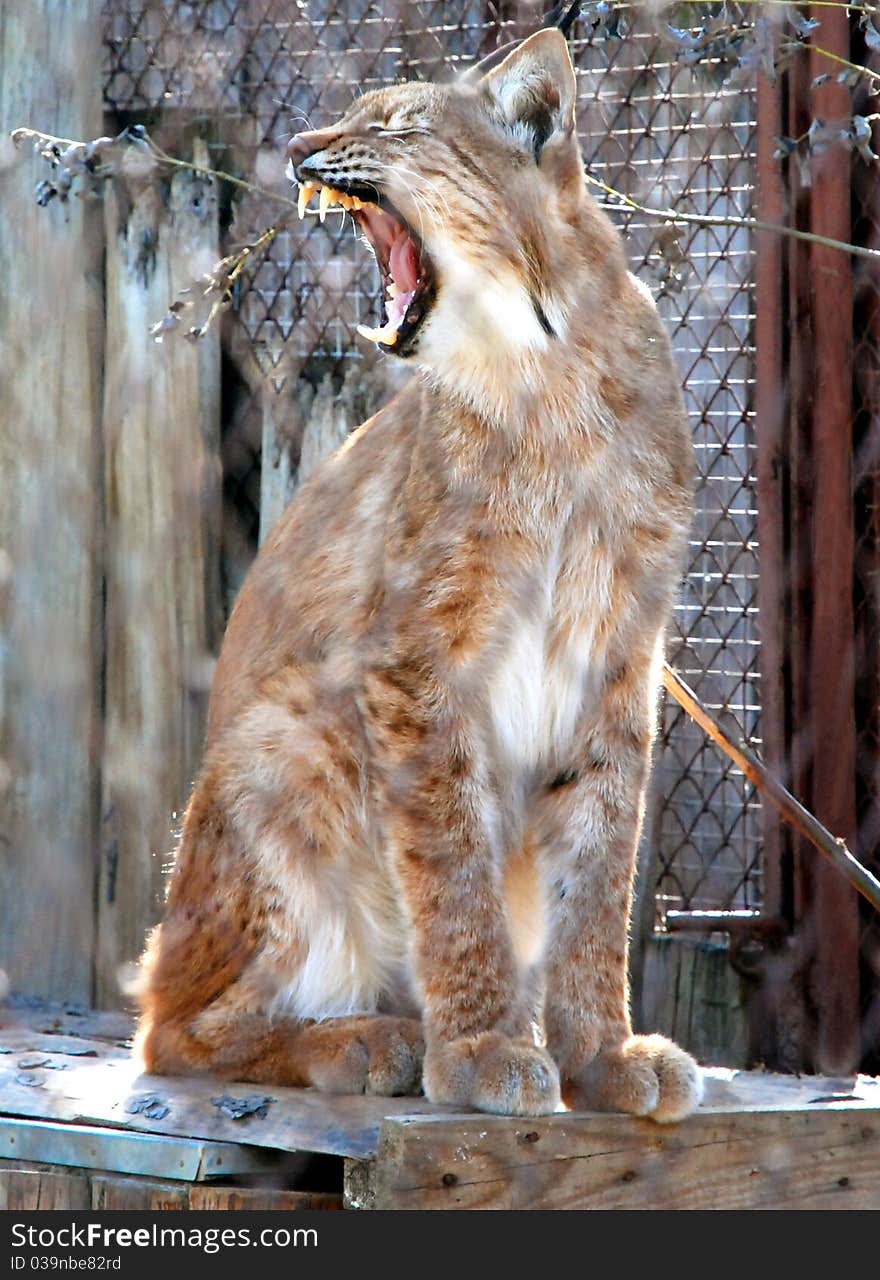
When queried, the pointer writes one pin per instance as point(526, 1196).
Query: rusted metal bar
point(712, 921)
point(791, 809)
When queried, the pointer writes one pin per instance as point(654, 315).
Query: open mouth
point(404, 267)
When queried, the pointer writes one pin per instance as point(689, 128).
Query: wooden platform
point(79, 1128)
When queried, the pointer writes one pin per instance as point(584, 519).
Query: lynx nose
point(299, 148)
point(303, 145)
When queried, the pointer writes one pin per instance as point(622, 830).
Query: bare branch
point(626, 205)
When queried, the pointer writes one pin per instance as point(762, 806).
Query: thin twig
point(220, 174)
point(872, 10)
point(25, 132)
point(628, 205)
point(844, 62)
point(791, 810)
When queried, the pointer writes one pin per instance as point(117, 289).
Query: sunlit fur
point(415, 827)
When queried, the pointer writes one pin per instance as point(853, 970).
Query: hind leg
point(280, 931)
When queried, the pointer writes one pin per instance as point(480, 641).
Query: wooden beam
point(804, 1159)
point(51, 337)
point(146, 1154)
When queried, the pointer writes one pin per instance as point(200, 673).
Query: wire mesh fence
point(245, 74)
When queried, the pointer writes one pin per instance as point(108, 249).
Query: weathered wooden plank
point(803, 1159)
point(120, 1151)
point(31, 1186)
point(161, 427)
point(51, 337)
point(98, 1090)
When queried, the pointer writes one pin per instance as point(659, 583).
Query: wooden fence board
point(161, 427)
point(51, 335)
point(690, 992)
point(26, 1186)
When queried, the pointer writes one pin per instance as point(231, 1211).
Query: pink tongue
point(404, 263)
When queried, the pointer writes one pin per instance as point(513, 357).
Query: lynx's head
point(470, 196)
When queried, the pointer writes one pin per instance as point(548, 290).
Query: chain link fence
point(245, 74)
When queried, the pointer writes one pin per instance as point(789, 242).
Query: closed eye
point(389, 131)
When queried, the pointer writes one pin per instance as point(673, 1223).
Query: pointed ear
point(535, 89)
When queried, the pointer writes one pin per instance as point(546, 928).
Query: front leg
point(441, 820)
point(588, 827)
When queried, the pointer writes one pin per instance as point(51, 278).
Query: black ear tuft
point(534, 89)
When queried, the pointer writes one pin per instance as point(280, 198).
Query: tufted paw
point(379, 1055)
point(493, 1073)
point(645, 1076)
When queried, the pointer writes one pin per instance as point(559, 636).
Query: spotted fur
point(415, 828)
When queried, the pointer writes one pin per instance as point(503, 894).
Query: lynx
point(409, 857)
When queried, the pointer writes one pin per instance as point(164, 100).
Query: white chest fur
point(548, 669)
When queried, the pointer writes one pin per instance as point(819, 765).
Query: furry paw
point(493, 1073)
point(645, 1076)
point(378, 1055)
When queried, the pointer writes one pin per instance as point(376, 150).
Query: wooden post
point(770, 413)
point(51, 336)
point(282, 432)
point(302, 427)
point(831, 902)
point(161, 423)
point(805, 422)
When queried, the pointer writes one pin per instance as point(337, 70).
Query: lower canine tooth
point(386, 335)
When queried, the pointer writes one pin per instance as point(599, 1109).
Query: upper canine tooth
point(306, 192)
point(326, 198)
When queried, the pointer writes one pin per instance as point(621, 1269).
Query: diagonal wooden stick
point(792, 810)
